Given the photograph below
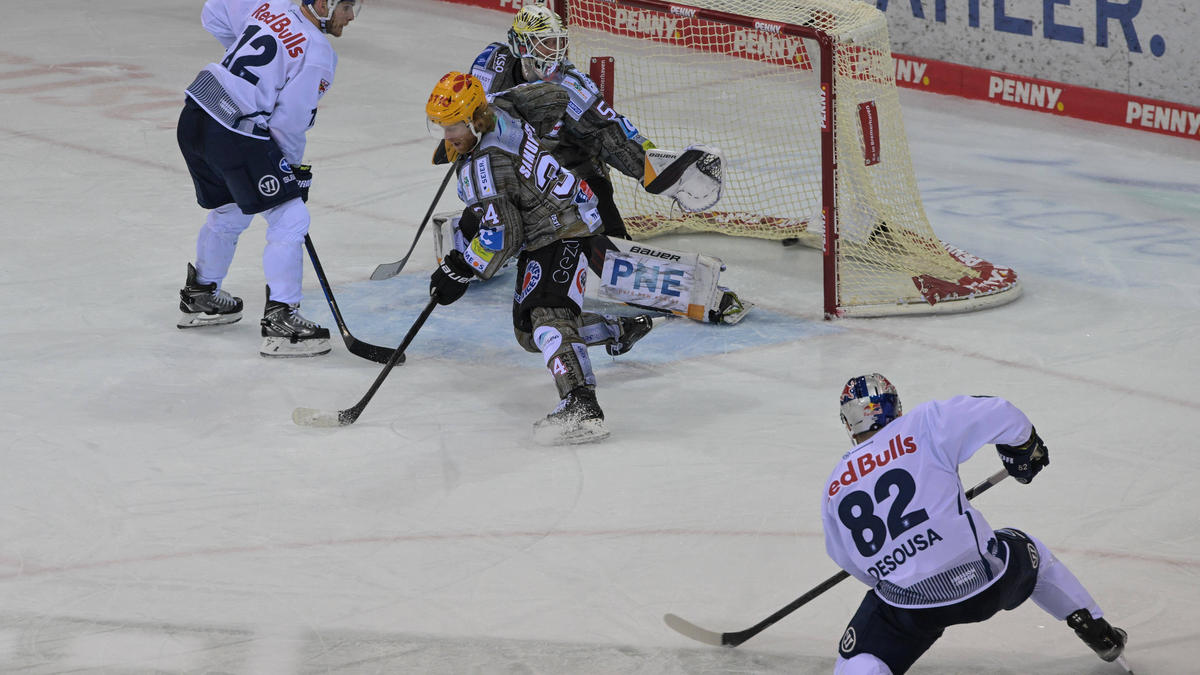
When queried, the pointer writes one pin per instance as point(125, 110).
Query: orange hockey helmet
point(455, 98)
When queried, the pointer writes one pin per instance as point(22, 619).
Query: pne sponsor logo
point(655, 279)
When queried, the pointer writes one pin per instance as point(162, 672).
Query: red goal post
point(800, 97)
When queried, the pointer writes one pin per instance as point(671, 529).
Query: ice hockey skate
point(205, 305)
point(1106, 640)
point(633, 328)
point(577, 419)
point(288, 334)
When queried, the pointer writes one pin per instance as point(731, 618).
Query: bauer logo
point(654, 253)
point(268, 185)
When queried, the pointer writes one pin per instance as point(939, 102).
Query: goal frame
point(976, 298)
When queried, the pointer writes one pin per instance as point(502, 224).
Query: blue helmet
point(869, 402)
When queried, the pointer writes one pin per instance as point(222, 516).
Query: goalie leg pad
point(671, 281)
point(693, 178)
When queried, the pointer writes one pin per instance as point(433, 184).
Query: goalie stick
point(311, 417)
point(708, 637)
point(355, 346)
point(389, 270)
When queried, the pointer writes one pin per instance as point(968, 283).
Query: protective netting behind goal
point(746, 76)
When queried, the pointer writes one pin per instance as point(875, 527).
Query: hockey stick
point(389, 270)
point(354, 345)
point(708, 637)
point(311, 417)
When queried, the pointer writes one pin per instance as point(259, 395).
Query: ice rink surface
point(161, 513)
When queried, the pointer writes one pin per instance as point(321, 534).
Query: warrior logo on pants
point(268, 185)
point(849, 639)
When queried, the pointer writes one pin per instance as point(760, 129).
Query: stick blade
point(311, 417)
point(688, 629)
point(387, 270)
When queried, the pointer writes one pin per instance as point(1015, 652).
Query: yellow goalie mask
point(539, 37)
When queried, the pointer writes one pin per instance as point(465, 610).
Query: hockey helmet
point(539, 37)
point(869, 402)
point(330, 7)
point(454, 99)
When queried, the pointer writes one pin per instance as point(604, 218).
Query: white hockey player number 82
point(857, 512)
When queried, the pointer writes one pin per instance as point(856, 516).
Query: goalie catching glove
point(1024, 461)
point(449, 281)
point(693, 178)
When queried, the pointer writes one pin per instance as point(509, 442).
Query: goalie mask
point(869, 402)
point(539, 37)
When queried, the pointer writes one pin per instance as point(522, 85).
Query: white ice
point(161, 513)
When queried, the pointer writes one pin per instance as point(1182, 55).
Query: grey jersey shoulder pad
point(582, 91)
point(496, 68)
point(507, 135)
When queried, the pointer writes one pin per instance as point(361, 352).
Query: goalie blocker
point(635, 273)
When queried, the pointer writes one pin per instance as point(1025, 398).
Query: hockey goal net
point(800, 98)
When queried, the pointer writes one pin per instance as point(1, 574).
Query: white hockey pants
point(283, 255)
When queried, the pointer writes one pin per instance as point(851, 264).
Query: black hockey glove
point(303, 174)
point(449, 281)
point(1024, 461)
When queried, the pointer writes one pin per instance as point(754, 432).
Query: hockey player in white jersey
point(531, 208)
point(587, 136)
point(242, 134)
point(897, 519)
